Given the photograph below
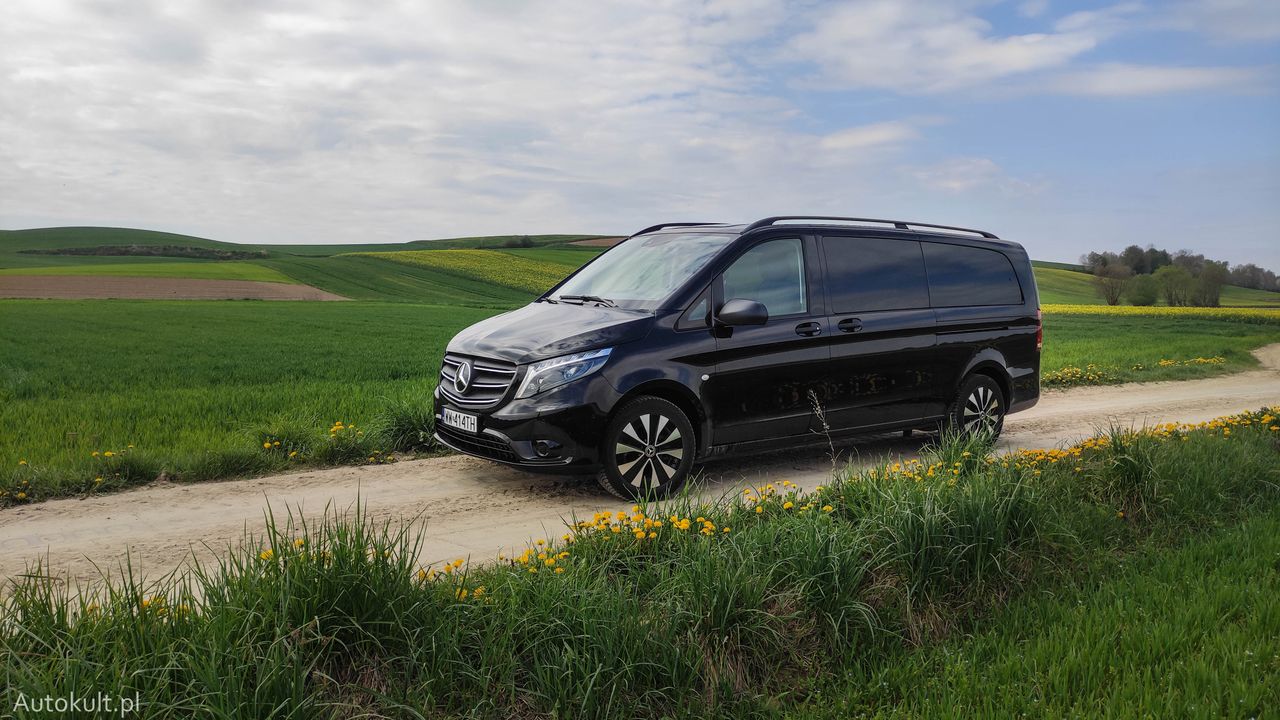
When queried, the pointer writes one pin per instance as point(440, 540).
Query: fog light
point(546, 448)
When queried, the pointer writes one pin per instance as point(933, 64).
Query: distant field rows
point(204, 270)
point(480, 271)
point(519, 272)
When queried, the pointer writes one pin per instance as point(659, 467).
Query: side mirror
point(738, 312)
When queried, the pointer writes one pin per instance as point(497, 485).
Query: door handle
point(849, 325)
point(808, 329)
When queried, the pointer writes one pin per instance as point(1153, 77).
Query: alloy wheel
point(981, 411)
point(649, 450)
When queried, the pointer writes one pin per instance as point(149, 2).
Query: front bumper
point(567, 422)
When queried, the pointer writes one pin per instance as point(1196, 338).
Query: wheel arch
point(680, 396)
point(994, 368)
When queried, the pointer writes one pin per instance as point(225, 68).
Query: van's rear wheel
point(979, 407)
point(647, 451)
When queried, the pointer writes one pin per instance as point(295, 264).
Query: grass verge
point(1187, 631)
point(739, 608)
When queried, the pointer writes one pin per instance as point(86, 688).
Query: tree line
point(1144, 275)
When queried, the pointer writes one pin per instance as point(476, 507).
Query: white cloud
point(870, 136)
point(936, 46)
point(1115, 79)
point(1033, 8)
point(1228, 21)
point(965, 174)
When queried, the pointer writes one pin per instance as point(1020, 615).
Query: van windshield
point(642, 271)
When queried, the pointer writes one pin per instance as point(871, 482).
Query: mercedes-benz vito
point(689, 340)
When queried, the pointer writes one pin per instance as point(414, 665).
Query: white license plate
point(462, 421)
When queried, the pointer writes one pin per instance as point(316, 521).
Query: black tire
point(647, 451)
point(979, 406)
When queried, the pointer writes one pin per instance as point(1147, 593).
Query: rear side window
point(867, 274)
point(771, 273)
point(960, 275)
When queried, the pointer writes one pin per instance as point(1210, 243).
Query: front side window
point(771, 273)
point(644, 270)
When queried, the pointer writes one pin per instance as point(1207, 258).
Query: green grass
point(1116, 344)
point(492, 267)
point(366, 278)
point(1189, 631)
point(571, 257)
point(741, 608)
point(208, 270)
point(1065, 287)
point(193, 385)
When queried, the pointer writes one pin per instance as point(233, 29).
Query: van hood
point(544, 330)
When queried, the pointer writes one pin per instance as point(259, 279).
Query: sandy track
point(472, 508)
point(77, 287)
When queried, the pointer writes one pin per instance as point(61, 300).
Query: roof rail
point(659, 226)
point(899, 224)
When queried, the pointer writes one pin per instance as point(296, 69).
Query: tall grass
point(728, 609)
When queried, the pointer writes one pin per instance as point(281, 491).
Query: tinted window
point(771, 273)
point(865, 274)
point(960, 275)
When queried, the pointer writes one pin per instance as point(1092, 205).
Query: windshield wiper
point(590, 298)
point(553, 301)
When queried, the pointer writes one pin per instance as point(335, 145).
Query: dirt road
point(476, 509)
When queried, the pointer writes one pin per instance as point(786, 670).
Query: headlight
point(555, 372)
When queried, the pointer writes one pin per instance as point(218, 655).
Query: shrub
point(1142, 290)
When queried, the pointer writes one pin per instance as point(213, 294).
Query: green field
point(328, 267)
point(191, 385)
point(504, 269)
point(202, 269)
point(1125, 348)
point(365, 278)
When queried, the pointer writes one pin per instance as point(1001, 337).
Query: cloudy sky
point(1065, 126)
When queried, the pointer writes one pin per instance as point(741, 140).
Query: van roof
point(905, 227)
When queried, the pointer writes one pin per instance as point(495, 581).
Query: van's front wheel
point(647, 451)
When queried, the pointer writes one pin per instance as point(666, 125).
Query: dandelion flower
point(759, 509)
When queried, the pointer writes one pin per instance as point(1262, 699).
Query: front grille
point(490, 380)
point(486, 446)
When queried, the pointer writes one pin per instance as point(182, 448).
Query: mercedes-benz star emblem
point(462, 380)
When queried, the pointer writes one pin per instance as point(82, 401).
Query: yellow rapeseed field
point(1263, 316)
point(500, 268)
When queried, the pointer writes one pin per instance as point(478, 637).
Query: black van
point(689, 340)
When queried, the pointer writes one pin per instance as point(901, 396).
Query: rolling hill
point(402, 272)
